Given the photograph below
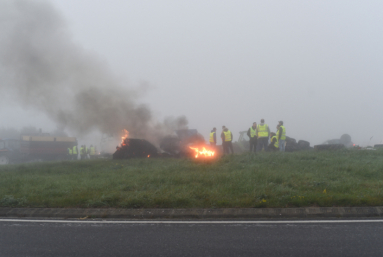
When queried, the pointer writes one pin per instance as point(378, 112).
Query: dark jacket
point(215, 136)
point(271, 145)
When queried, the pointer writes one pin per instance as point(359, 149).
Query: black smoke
point(42, 68)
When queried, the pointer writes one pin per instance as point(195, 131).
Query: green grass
point(349, 178)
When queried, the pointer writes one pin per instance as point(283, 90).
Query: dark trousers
point(253, 144)
point(227, 147)
point(262, 143)
point(231, 147)
point(272, 148)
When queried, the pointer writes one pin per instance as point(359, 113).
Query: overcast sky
point(316, 65)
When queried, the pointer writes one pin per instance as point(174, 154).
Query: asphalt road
point(190, 239)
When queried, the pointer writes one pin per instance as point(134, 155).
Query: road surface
point(238, 238)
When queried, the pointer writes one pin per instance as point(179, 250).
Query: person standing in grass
point(213, 137)
point(74, 153)
point(263, 135)
point(223, 140)
point(228, 136)
point(252, 134)
point(82, 152)
point(87, 152)
point(92, 152)
point(281, 135)
point(70, 152)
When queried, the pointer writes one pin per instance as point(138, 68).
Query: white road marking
point(193, 221)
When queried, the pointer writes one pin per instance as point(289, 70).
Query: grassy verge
point(341, 178)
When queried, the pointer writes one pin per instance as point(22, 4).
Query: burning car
point(184, 143)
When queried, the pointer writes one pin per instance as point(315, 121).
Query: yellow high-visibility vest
point(276, 144)
point(227, 135)
point(212, 137)
point(92, 150)
point(253, 132)
point(263, 130)
point(74, 151)
point(283, 136)
point(69, 151)
point(82, 150)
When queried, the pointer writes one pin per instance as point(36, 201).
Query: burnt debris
point(335, 144)
point(178, 145)
point(135, 148)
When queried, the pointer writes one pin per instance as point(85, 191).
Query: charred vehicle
point(135, 148)
point(179, 144)
point(183, 143)
point(335, 144)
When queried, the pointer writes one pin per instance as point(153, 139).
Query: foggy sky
point(316, 65)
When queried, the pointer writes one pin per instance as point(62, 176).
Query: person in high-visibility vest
point(223, 139)
point(252, 134)
point(82, 152)
point(74, 153)
point(70, 151)
point(263, 132)
point(213, 137)
point(86, 152)
point(92, 152)
point(281, 135)
point(273, 146)
point(227, 138)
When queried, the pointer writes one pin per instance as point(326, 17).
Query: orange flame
point(126, 135)
point(148, 155)
point(204, 152)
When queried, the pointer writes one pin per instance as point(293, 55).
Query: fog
point(316, 65)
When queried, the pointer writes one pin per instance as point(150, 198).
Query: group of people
point(227, 138)
point(84, 151)
point(259, 138)
point(260, 134)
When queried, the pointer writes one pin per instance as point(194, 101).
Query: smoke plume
point(42, 68)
